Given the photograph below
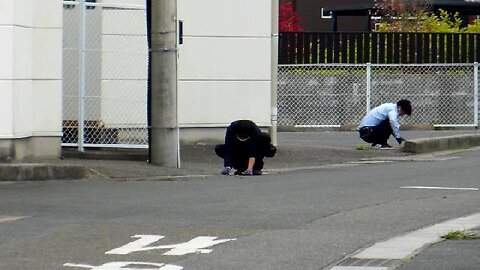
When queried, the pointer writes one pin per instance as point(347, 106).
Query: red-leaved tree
point(288, 19)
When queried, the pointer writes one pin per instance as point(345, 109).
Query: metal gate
point(105, 63)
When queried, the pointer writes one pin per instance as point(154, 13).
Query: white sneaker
point(382, 147)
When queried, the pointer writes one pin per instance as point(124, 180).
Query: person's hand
point(226, 170)
point(400, 140)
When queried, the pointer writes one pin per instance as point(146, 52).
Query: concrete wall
point(30, 78)
point(224, 64)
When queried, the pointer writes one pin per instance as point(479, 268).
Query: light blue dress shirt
point(380, 113)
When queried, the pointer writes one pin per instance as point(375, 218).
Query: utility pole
point(164, 134)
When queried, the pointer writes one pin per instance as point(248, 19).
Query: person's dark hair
point(244, 128)
point(405, 105)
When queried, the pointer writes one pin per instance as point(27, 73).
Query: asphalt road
point(306, 219)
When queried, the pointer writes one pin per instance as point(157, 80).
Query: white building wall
point(224, 64)
point(30, 77)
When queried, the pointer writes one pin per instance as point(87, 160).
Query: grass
point(460, 235)
point(362, 147)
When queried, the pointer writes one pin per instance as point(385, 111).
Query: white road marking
point(138, 245)
point(359, 268)
point(9, 218)
point(196, 245)
point(371, 162)
point(439, 188)
point(122, 265)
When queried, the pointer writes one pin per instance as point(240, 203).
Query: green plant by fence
point(378, 48)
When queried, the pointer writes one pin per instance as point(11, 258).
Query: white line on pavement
point(9, 218)
point(440, 188)
point(359, 268)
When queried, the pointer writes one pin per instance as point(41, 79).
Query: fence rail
point(340, 95)
point(378, 48)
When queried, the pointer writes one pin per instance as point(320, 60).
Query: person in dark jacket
point(244, 149)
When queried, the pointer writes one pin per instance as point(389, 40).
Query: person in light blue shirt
point(382, 121)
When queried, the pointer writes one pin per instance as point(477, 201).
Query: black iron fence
point(378, 48)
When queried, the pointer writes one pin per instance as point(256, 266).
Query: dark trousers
point(240, 155)
point(378, 134)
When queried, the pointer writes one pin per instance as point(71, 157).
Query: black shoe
point(257, 172)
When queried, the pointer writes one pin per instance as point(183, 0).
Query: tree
point(474, 27)
point(439, 22)
point(443, 22)
point(289, 21)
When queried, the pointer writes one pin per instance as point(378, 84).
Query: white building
point(30, 78)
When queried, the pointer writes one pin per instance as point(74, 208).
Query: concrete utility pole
point(164, 135)
point(273, 128)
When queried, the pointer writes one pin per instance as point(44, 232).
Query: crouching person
point(244, 149)
point(383, 121)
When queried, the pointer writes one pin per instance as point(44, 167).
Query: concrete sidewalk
point(296, 150)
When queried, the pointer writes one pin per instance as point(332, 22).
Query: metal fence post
point(475, 94)
point(82, 75)
point(369, 85)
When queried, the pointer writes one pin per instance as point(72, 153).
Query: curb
point(40, 171)
point(392, 253)
point(428, 145)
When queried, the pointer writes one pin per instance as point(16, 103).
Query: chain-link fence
point(340, 95)
point(105, 84)
point(104, 75)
